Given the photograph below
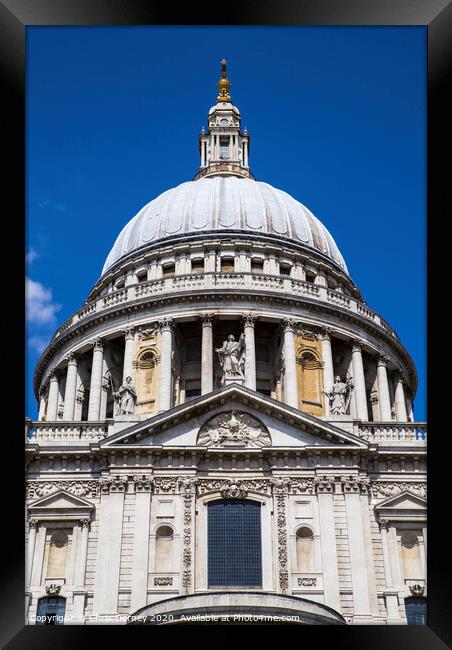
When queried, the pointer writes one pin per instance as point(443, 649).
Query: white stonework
point(118, 504)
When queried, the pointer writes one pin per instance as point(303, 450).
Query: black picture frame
point(15, 16)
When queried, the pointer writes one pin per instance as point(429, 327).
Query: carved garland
point(280, 489)
point(187, 486)
point(35, 489)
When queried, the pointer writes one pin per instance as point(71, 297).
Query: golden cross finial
point(224, 85)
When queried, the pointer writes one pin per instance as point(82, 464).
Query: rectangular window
point(234, 548)
point(227, 264)
point(310, 277)
point(257, 266)
point(284, 269)
point(142, 276)
point(168, 270)
point(224, 147)
point(197, 266)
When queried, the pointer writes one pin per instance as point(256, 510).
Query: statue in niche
point(339, 396)
point(232, 358)
point(125, 398)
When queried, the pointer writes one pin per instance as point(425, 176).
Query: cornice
point(258, 295)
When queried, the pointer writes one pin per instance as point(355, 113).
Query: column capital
point(357, 345)
point(166, 324)
point(289, 324)
point(129, 333)
point(72, 358)
point(206, 319)
point(43, 391)
point(384, 524)
point(325, 332)
point(97, 344)
point(383, 360)
point(54, 374)
point(355, 484)
point(249, 319)
point(33, 523)
point(324, 484)
point(143, 483)
point(399, 375)
point(85, 522)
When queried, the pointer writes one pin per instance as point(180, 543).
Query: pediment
point(58, 503)
point(403, 501)
point(233, 417)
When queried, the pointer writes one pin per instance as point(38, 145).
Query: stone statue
point(232, 358)
point(125, 398)
point(339, 396)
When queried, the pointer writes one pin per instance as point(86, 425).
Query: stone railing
point(54, 431)
point(392, 431)
point(223, 281)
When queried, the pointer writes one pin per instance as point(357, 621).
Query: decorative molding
point(114, 484)
point(281, 523)
point(163, 581)
point(355, 484)
point(163, 485)
point(233, 487)
point(280, 484)
point(307, 582)
point(187, 485)
point(234, 429)
point(143, 483)
point(324, 484)
point(385, 489)
point(417, 590)
point(53, 590)
point(35, 489)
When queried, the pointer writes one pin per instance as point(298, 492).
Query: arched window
point(56, 565)
point(51, 610)
point(234, 554)
point(416, 610)
point(310, 380)
point(145, 377)
point(305, 550)
point(164, 549)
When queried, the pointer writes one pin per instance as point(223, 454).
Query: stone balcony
point(221, 282)
point(384, 433)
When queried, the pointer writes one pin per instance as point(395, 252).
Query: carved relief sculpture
point(234, 429)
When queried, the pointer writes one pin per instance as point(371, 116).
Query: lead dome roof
point(223, 204)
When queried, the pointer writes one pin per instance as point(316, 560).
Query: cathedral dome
point(223, 203)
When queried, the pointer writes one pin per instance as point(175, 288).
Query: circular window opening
point(164, 532)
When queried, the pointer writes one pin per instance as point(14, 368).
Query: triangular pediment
point(60, 501)
point(233, 417)
point(403, 501)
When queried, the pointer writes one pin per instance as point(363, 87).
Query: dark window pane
point(51, 611)
point(416, 611)
point(234, 544)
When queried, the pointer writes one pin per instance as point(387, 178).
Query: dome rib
point(224, 203)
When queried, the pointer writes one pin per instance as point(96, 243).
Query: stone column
point(328, 370)
point(33, 525)
point(325, 490)
point(384, 400)
point(390, 592)
point(71, 387)
point(95, 389)
point(290, 364)
point(358, 558)
point(106, 587)
point(129, 336)
point(206, 354)
point(140, 566)
point(399, 400)
point(359, 381)
point(79, 593)
point(42, 403)
point(409, 408)
point(166, 352)
point(250, 351)
point(52, 405)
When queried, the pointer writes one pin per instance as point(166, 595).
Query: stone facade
point(257, 373)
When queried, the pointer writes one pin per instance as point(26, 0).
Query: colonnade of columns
point(402, 402)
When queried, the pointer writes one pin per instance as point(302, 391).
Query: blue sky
point(337, 119)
